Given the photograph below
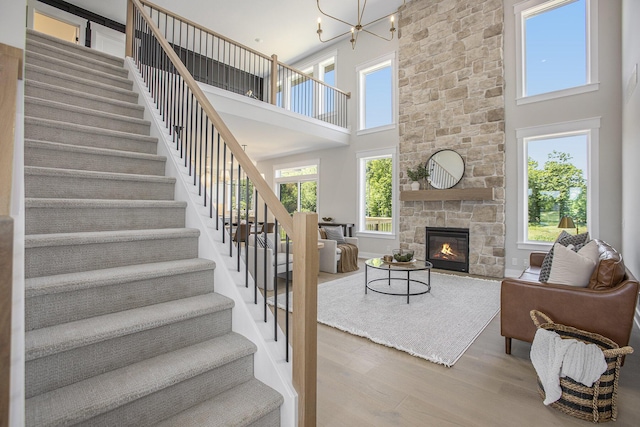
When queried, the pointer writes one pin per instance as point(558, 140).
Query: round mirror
point(446, 168)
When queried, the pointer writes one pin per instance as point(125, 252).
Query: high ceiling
point(286, 28)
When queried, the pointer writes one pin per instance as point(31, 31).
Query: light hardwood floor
point(361, 383)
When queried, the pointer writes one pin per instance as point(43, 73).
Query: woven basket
point(598, 402)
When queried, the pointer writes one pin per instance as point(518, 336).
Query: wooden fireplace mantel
point(451, 194)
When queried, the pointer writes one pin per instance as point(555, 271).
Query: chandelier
point(358, 26)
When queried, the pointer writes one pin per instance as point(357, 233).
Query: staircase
point(123, 327)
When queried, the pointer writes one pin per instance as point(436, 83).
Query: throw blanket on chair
point(348, 259)
point(554, 357)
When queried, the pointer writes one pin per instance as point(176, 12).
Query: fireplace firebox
point(448, 248)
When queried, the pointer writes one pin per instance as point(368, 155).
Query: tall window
point(556, 48)
point(556, 178)
point(376, 94)
point(376, 192)
point(297, 187)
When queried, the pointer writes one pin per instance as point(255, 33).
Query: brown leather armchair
point(606, 306)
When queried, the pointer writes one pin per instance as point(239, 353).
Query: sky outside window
point(556, 49)
point(378, 99)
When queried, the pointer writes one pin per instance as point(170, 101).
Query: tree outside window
point(557, 185)
point(298, 188)
point(377, 194)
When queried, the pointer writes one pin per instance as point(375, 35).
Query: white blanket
point(554, 357)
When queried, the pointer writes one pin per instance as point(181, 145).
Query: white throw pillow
point(572, 268)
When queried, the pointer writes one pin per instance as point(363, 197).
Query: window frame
point(361, 223)
point(527, 8)
point(362, 71)
point(298, 178)
point(589, 127)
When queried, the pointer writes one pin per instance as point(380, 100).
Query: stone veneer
point(451, 96)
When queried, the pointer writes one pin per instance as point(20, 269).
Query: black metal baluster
point(286, 315)
point(217, 180)
point(255, 257)
point(239, 200)
point(224, 185)
point(231, 194)
point(246, 240)
point(266, 248)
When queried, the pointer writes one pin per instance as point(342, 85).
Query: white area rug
point(438, 326)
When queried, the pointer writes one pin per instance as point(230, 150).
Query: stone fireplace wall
point(451, 96)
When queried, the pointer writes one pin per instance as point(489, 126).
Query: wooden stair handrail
point(272, 201)
point(11, 59)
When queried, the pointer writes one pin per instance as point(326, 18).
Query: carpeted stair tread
point(52, 110)
point(76, 49)
point(60, 338)
point(63, 298)
point(64, 239)
point(77, 184)
point(34, 72)
point(225, 410)
point(69, 133)
point(46, 215)
point(37, 286)
point(79, 174)
point(65, 95)
point(66, 156)
point(89, 398)
point(35, 46)
point(51, 254)
point(55, 64)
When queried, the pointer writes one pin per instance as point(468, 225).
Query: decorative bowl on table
point(403, 255)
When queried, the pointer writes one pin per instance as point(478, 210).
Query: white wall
point(630, 135)
point(12, 21)
point(605, 103)
point(337, 188)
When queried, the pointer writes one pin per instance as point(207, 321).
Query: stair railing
point(10, 73)
point(231, 187)
point(218, 61)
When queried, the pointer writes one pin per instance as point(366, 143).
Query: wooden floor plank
point(361, 383)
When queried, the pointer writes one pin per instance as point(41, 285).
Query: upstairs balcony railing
point(218, 61)
point(228, 182)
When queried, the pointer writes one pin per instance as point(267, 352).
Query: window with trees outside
point(556, 48)
point(297, 187)
point(376, 94)
point(376, 192)
point(557, 179)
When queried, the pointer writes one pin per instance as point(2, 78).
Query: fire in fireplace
point(448, 248)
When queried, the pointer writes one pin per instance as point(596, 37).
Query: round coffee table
point(408, 267)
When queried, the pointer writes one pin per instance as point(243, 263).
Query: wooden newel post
point(305, 315)
point(129, 30)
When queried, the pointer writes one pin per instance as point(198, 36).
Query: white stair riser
point(61, 369)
